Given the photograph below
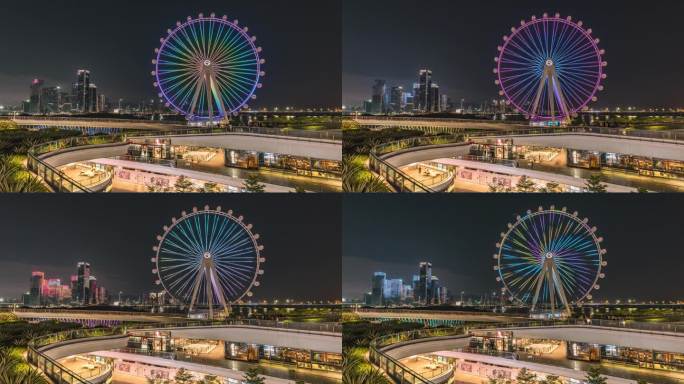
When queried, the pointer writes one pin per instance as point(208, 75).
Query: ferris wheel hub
point(549, 63)
point(207, 63)
point(549, 255)
point(207, 255)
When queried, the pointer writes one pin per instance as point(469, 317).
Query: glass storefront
point(152, 341)
point(644, 166)
point(300, 165)
point(154, 148)
point(300, 358)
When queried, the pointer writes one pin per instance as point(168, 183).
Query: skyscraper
point(424, 100)
point(36, 291)
point(378, 288)
point(378, 101)
point(49, 100)
point(92, 99)
point(397, 99)
point(92, 291)
point(423, 289)
point(393, 290)
point(82, 289)
point(434, 105)
point(36, 91)
point(81, 91)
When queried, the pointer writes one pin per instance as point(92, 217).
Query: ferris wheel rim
point(253, 47)
point(585, 33)
point(195, 212)
point(600, 251)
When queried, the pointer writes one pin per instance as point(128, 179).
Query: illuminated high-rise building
point(423, 101)
point(34, 99)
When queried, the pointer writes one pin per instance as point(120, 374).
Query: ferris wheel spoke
point(227, 230)
point(216, 40)
point(186, 41)
point(533, 38)
point(174, 240)
point(182, 235)
point(574, 47)
point(230, 237)
point(232, 248)
point(236, 44)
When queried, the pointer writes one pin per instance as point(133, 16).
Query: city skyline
point(458, 41)
point(459, 240)
point(115, 234)
point(121, 57)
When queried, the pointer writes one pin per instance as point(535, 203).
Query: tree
point(211, 379)
point(253, 184)
point(183, 377)
point(642, 381)
point(182, 184)
point(594, 376)
point(642, 190)
point(526, 377)
point(252, 376)
point(551, 187)
point(551, 379)
point(594, 184)
point(299, 189)
point(525, 185)
point(210, 187)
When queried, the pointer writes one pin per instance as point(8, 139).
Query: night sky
point(642, 234)
point(116, 41)
point(115, 233)
point(393, 39)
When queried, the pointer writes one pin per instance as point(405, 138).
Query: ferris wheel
point(207, 68)
point(550, 260)
point(550, 68)
point(208, 258)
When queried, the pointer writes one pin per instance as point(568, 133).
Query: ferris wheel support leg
point(195, 97)
point(540, 88)
point(210, 291)
point(552, 286)
point(561, 291)
point(562, 104)
point(221, 297)
point(538, 285)
point(208, 82)
point(195, 290)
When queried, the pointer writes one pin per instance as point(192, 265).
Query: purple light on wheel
point(550, 68)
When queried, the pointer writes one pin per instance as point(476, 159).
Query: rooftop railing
point(403, 182)
point(60, 374)
point(61, 182)
point(402, 374)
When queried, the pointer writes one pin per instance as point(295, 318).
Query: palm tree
point(357, 371)
point(13, 370)
point(14, 178)
point(356, 178)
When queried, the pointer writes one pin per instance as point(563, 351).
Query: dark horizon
point(52, 40)
point(393, 39)
point(116, 233)
point(458, 235)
